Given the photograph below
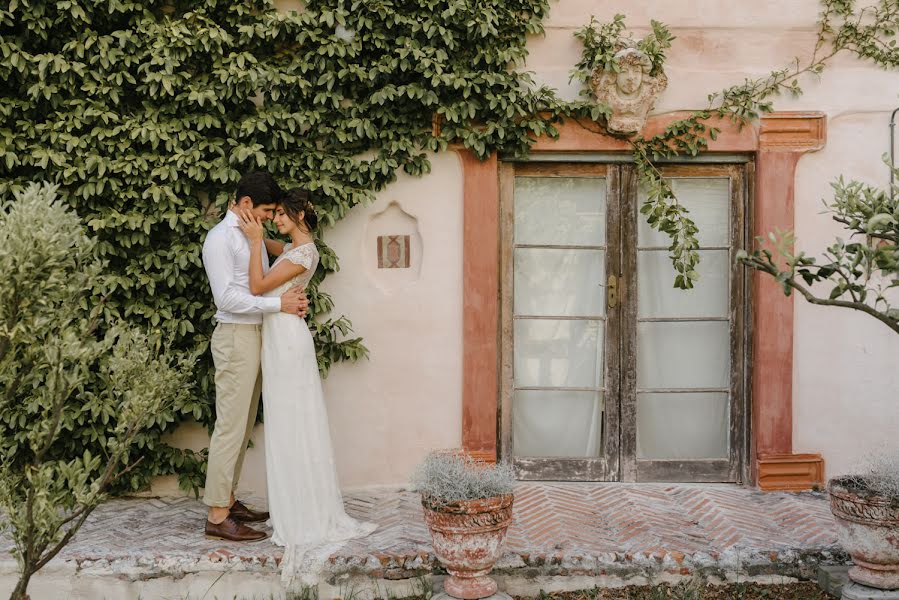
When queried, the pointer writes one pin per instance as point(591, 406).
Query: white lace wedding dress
point(304, 499)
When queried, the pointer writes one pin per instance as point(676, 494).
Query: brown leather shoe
point(243, 514)
point(231, 530)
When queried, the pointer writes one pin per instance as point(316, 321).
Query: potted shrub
point(468, 508)
point(860, 274)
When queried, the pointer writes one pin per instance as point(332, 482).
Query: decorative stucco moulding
point(631, 92)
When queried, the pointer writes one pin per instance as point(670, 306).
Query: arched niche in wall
point(393, 248)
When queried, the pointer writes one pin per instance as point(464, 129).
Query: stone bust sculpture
point(631, 92)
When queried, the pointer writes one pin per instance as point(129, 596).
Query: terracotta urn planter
point(468, 537)
point(868, 531)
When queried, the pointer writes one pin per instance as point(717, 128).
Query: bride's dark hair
point(299, 200)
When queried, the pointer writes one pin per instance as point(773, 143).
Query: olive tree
point(57, 372)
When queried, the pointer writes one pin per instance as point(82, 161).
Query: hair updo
point(298, 200)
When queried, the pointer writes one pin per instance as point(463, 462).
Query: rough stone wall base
point(241, 580)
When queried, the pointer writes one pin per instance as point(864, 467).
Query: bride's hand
point(251, 226)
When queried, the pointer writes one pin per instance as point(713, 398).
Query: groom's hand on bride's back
point(294, 302)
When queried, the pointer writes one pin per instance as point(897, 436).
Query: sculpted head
point(630, 90)
point(634, 67)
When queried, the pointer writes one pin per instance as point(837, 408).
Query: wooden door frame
point(777, 142)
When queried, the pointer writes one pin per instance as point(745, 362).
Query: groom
point(236, 348)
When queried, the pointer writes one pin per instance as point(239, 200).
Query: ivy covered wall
point(147, 112)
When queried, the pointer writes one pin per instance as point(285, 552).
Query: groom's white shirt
point(226, 258)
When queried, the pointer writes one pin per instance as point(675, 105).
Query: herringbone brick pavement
point(558, 528)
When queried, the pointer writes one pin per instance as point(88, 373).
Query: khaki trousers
point(236, 352)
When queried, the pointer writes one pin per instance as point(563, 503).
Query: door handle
point(612, 292)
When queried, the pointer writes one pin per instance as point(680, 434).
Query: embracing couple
point(262, 344)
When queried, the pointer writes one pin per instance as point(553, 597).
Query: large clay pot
point(868, 531)
point(468, 537)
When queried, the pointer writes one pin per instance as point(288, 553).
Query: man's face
point(263, 212)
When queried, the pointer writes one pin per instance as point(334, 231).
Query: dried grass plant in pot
point(468, 508)
point(866, 508)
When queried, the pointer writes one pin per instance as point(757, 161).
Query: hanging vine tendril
point(867, 32)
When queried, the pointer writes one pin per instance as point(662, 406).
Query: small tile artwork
point(393, 251)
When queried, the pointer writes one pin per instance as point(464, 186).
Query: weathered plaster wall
point(846, 366)
point(387, 412)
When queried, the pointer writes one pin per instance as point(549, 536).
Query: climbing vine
point(868, 32)
point(145, 114)
point(600, 44)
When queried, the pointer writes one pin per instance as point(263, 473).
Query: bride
point(306, 507)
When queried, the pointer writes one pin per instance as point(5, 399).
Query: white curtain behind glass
point(558, 351)
point(676, 359)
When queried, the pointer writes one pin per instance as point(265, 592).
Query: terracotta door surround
point(776, 143)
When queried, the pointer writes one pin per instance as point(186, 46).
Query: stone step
point(563, 537)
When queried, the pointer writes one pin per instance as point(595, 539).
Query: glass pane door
point(685, 341)
point(558, 260)
point(683, 350)
point(607, 371)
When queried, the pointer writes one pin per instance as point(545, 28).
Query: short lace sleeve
point(304, 255)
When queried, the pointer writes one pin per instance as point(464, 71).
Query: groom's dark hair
point(260, 187)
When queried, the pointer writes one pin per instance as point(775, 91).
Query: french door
point(607, 371)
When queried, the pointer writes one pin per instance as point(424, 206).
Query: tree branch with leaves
point(862, 272)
